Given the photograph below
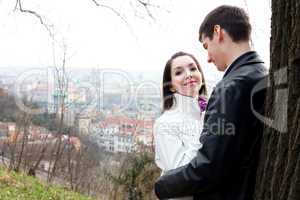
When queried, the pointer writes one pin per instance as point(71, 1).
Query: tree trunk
point(278, 176)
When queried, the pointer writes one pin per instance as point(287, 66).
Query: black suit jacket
point(225, 166)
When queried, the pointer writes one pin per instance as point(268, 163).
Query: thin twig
point(113, 10)
point(35, 14)
point(246, 6)
point(146, 7)
point(16, 6)
point(118, 14)
point(148, 4)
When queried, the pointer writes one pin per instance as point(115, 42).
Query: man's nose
point(209, 60)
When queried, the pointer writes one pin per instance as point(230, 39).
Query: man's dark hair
point(234, 20)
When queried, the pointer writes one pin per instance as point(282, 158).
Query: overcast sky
point(96, 37)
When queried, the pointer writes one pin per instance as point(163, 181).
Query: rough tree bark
point(278, 176)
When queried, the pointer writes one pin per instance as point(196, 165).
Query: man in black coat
point(225, 166)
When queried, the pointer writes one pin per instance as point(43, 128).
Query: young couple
point(221, 164)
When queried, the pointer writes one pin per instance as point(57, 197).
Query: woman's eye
point(177, 73)
point(193, 69)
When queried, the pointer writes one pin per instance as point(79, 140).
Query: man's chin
point(221, 68)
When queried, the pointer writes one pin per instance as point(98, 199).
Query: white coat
point(176, 134)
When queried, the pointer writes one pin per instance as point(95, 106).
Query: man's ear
point(218, 32)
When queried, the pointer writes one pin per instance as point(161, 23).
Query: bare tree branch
point(118, 14)
point(246, 5)
point(16, 6)
point(147, 6)
point(123, 18)
point(19, 7)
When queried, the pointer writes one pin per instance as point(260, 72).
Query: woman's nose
point(188, 74)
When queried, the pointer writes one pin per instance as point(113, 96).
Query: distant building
point(122, 134)
point(3, 92)
point(3, 129)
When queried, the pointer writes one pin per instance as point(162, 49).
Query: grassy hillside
point(15, 186)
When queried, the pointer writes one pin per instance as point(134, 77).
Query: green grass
point(17, 186)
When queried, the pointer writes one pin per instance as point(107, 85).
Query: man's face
point(214, 52)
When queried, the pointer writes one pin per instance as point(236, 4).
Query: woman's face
point(185, 75)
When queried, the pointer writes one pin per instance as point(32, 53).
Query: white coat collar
point(186, 104)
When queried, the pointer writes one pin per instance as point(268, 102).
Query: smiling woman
point(186, 77)
point(183, 75)
point(177, 130)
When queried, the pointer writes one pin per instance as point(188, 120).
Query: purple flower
point(202, 103)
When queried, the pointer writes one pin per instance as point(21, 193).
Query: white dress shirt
point(176, 134)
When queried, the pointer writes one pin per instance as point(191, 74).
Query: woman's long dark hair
point(168, 95)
